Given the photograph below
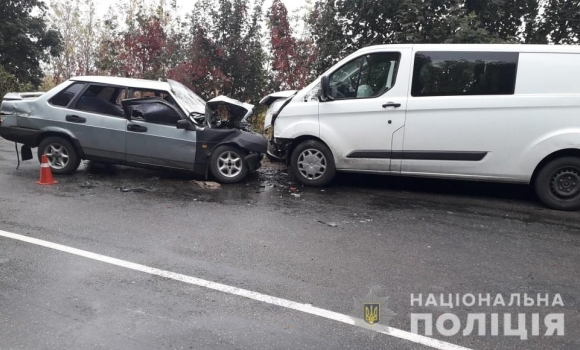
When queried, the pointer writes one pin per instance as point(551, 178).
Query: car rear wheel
point(228, 165)
point(312, 164)
point(63, 158)
point(557, 184)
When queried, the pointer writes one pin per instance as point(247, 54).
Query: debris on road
point(208, 185)
point(135, 190)
point(88, 185)
point(295, 195)
point(329, 224)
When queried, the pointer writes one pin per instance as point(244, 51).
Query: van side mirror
point(183, 124)
point(325, 89)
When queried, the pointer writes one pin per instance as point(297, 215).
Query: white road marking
point(306, 308)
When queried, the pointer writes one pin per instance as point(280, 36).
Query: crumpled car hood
point(238, 110)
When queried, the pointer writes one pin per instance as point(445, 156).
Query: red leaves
point(292, 58)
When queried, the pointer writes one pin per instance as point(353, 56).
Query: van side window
point(365, 77)
point(63, 98)
point(103, 100)
point(464, 73)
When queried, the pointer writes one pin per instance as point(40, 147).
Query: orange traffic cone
point(45, 173)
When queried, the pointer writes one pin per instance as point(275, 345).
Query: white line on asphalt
point(306, 308)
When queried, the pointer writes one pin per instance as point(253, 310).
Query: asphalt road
point(325, 247)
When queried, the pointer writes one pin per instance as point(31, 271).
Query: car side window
point(156, 113)
point(164, 95)
point(102, 100)
point(365, 77)
point(63, 98)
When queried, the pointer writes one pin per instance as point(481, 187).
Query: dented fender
point(208, 139)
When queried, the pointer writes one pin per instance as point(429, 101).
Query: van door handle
point(75, 119)
point(136, 128)
point(392, 104)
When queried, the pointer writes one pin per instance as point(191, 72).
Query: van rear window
point(455, 73)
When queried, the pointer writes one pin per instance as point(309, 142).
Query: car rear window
point(64, 97)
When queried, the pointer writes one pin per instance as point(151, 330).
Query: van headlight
point(272, 111)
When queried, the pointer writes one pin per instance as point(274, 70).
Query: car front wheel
point(312, 164)
point(63, 158)
point(228, 165)
point(557, 184)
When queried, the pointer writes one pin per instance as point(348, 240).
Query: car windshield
point(191, 102)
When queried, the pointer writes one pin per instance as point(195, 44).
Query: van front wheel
point(312, 164)
point(558, 184)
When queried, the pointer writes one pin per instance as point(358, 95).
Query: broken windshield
point(191, 102)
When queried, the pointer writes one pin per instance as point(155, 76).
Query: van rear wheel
point(312, 164)
point(558, 184)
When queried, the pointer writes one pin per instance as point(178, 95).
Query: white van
point(508, 113)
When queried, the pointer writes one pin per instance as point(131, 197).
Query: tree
point(25, 40)
point(76, 22)
point(509, 20)
point(224, 53)
point(561, 22)
point(292, 58)
point(327, 35)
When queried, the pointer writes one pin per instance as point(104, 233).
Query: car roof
point(128, 82)
point(479, 47)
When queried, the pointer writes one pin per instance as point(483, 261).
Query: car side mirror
point(136, 114)
point(325, 89)
point(183, 124)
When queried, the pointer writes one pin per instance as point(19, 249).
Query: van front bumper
point(278, 150)
point(20, 135)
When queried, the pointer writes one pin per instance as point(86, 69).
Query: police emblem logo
point(372, 313)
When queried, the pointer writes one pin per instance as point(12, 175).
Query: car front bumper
point(254, 160)
point(278, 150)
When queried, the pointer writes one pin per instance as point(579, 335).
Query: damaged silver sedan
point(134, 122)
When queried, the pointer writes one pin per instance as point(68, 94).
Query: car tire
point(557, 184)
point(66, 159)
point(312, 164)
point(227, 165)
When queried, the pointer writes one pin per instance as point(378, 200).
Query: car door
point(96, 118)
point(153, 137)
point(364, 121)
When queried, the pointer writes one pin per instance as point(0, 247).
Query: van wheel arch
point(569, 152)
point(298, 141)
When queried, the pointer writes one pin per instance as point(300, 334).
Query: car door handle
point(392, 104)
point(75, 119)
point(136, 128)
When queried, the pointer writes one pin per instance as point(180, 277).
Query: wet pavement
point(326, 247)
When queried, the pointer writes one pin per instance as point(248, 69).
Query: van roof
point(479, 47)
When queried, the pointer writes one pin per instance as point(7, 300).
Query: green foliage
point(223, 53)
point(8, 82)
point(506, 18)
point(25, 40)
point(561, 22)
